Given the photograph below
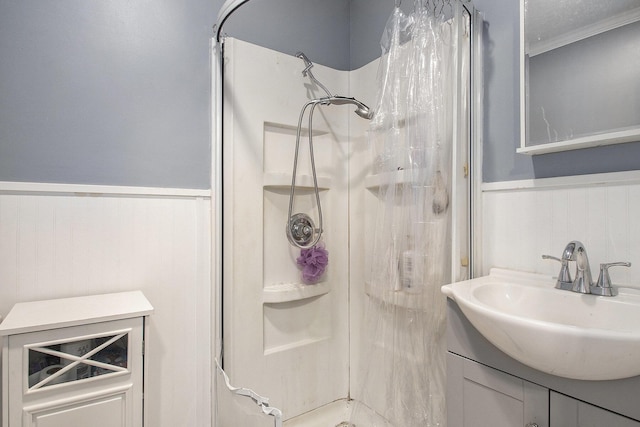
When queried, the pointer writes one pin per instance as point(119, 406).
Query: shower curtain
point(411, 136)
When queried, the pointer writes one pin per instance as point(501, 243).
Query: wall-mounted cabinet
point(72, 361)
point(578, 74)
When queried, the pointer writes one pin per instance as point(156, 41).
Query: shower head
point(361, 109)
point(364, 112)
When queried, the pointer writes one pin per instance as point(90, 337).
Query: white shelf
point(59, 313)
point(397, 177)
point(401, 298)
point(283, 181)
point(287, 292)
point(608, 138)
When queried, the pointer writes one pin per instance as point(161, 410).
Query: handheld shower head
point(364, 112)
point(361, 109)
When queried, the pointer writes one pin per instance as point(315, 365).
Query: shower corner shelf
point(275, 180)
point(397, 177)
point(288, 292)
point(404, 299)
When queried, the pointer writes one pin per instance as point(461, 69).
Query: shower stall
point(337, 345)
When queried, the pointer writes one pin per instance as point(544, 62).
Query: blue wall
point(117, 92)
point(320, 29)
point(105, 92)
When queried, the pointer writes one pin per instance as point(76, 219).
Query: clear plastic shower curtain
point(411, 134)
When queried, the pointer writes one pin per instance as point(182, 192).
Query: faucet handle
point(603, 285)
point(564, 277)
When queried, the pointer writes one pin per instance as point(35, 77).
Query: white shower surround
point(257, 176)
point(268, 175)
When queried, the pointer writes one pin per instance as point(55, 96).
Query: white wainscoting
point(521, 220)
point(73, 240)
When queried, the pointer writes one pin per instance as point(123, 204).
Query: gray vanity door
point(479, 396)
point(568, 412)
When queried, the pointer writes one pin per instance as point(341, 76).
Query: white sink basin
point(562, 333)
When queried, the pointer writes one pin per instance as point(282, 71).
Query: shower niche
point(285, 295)
point(282, 280)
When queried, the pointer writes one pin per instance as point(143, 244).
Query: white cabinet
point(566, 411)
point(75, 362)
point(480, 396)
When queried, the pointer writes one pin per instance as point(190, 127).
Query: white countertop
point(58, 313)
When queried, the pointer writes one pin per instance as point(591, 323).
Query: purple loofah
point(313, 262)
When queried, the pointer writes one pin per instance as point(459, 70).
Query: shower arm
point(308, 65)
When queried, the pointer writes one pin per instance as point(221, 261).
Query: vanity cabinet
point(478, 395)
point(565, 411)
point(485, 387)
point(481, 396)
point(74, 362)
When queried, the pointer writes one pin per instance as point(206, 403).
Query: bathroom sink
point(562, 333)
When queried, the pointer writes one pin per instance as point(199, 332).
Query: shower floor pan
point(337, 414)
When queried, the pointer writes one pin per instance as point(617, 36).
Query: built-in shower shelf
point(401, 298)
point(277, 181)
point(288, 292)
point(397, 177)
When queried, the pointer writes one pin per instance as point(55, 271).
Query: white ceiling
point(550, 19)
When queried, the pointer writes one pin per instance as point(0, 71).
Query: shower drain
point(345, 424)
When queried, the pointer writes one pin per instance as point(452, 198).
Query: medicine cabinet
point(579, 64)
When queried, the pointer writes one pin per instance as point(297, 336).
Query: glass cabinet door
point(76, 360)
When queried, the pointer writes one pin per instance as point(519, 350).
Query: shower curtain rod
point(226, 10)
point(229, 6)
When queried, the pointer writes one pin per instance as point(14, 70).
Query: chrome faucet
point(583, 282)
point(575, 251)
